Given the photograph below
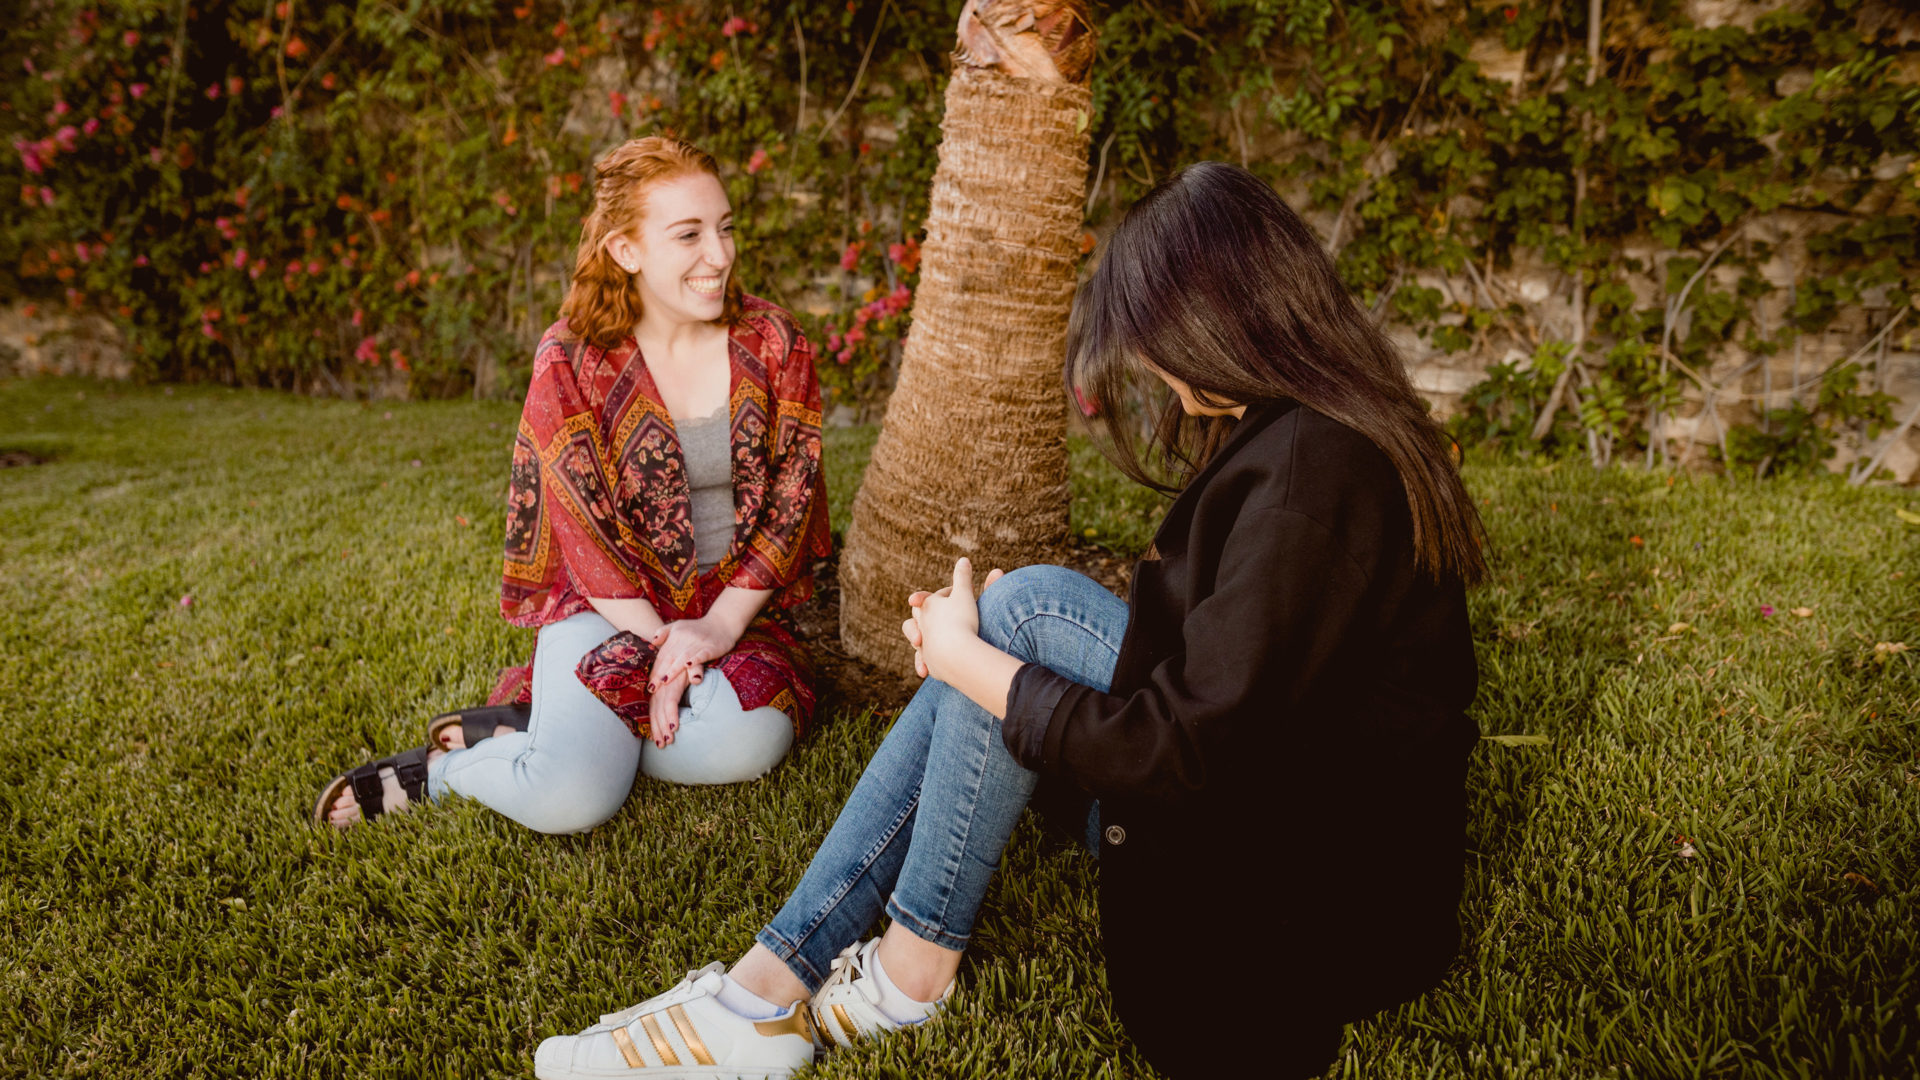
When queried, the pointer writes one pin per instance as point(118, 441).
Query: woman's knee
point(1017, 597)
point(571, 810)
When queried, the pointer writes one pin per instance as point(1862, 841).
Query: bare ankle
point(917, 968)
point(763, 973)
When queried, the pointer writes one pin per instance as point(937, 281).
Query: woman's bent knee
point(1018, 595)
point(562, 814)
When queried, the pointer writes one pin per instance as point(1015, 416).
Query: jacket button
point(1116, 835)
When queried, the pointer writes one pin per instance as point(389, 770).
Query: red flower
point(618, 102)
point(760, 160)
point(296, 48)
point(557, 57)
point(1511, 13)
point(734, 26)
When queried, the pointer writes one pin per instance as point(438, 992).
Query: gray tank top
point(705, 445)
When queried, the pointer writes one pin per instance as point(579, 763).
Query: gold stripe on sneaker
point(660, 1044)
point(799, 1022)
point(627, 1050)
point(853, 1033)
point(688, 1035)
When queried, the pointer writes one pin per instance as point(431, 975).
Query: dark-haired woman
point(1271, 732)
point(666, 498)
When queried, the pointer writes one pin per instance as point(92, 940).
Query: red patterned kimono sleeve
point(793, 528)
point(563, 531)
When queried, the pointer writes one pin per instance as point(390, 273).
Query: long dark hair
point(1214, 280)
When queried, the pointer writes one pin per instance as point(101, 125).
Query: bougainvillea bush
point(290, 192)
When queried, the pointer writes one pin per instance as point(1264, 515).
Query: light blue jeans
point(574, 765)
point(923, 830)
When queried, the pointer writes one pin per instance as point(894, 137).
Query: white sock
point(744, 1002)
point(894, 1001)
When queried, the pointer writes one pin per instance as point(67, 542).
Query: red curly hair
point(603, 302)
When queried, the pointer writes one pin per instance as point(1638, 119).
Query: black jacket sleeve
point(1284, 599)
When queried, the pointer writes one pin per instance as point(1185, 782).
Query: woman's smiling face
point(681, 251)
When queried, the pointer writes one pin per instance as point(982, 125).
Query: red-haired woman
point(666, 501)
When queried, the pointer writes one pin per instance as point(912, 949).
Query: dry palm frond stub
point(1029, 39)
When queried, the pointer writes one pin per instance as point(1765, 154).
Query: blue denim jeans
point(923, 830)
point(574, 765)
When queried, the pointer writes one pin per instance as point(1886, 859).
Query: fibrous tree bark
point(971, 458)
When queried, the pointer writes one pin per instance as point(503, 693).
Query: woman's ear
point(623, 251)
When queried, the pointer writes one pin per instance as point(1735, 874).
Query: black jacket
point(1281, 762)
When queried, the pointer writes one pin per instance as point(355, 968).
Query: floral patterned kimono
point(599, 505)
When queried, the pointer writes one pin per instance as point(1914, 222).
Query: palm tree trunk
point(972, 455)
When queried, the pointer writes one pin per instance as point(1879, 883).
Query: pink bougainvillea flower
point(155, 154)
point(130, 38)
point(46, 196)
point(399, 361)
point(1087, 406)
point(733, 26)
point(68, 136)
point(186, 600)
point(92, 125)
point(833, 341)
point(367, 352)
point(61, 108)
point(844, 355)
point(253, 271)
point(30, 158)
point(82, 252)
point(139, 260)
point(556, 57)
point(314, 266)
point(276, 112)
point(240, 259)
point(1766, 610)
point(213, 92)
point(856, 335)
point(617, 101)
point(138, 90)
point(851, 257)
point(296, 49)
point(759, 160)
point(359, 316)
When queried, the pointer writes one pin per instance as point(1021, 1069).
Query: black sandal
point(409, 768)
point(478, 724)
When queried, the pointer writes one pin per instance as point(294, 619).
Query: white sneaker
point(847, 1006)
point(683, 1033)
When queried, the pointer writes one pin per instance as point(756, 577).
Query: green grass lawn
point(1709, 870)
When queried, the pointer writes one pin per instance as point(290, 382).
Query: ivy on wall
point(291, 192)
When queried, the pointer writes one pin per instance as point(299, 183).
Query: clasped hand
point(682, 650)
point(945, 623)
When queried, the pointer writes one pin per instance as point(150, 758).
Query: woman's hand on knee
point(687, 647)
point(663, 710)
point(947, 621)
point(911, 627)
